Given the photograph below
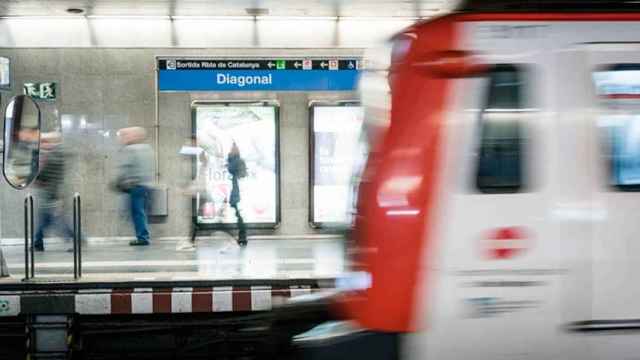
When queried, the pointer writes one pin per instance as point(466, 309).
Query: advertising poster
point(253, 130)
point(337, 153)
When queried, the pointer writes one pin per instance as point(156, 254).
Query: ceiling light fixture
point(212, 17)
point(129, 17)
point(257, 11)
point(302, 18)
point(75, 11)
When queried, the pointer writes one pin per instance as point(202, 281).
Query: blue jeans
point(138, 196)
point(47, 217)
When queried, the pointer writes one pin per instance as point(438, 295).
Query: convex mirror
point(21, 145)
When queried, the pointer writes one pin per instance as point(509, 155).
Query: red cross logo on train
point(505, 243)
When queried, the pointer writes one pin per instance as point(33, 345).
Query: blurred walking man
point(50, 181)
point(134, 178)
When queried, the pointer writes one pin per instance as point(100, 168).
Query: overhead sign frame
point(190, 74)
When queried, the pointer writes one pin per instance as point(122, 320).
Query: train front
point(375, 299)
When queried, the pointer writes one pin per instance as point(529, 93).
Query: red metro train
point(497, 212)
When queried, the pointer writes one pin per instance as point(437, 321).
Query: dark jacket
point(233, 166)
point(52, 176)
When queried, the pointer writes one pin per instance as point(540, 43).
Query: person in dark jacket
point(50, 182)
point(237, 169)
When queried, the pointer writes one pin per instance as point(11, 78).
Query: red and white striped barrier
point(184, 300)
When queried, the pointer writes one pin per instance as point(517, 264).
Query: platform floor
point(216, 258)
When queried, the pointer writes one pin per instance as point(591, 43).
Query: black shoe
point(139, 243)
point(242, 238)
point(38, 248)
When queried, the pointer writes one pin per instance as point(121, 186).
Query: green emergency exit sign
point(40, 91)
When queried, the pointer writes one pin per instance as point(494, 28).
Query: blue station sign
point(258, 75)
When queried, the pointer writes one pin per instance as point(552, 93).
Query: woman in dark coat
point(237, 169)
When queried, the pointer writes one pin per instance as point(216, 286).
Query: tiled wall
point(102, 90)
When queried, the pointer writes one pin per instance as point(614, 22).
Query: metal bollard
point(26, 238)
point(29, 245)
point(77, 236)
point(32, 238)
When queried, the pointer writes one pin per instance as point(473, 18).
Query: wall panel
point(102, 90)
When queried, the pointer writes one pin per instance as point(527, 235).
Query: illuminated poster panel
point(254, 129)
point(336, 151)
point(5, 73)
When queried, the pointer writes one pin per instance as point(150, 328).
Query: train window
point(618, 90)
point(500, 154)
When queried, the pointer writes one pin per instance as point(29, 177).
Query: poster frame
point(311, 181)
point(232, 226)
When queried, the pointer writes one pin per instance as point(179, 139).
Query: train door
point(614, 71)
point(495, 282)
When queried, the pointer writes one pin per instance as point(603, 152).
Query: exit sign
point(40, 91)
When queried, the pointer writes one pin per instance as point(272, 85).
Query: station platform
point(214, 258)
point(217, 276)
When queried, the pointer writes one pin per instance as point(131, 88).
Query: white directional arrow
point(323, 64)
point(297, 64)
point(270, 64)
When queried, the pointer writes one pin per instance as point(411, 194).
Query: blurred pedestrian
point(23, 155)
point(195, 187)
point(238, 170)
point(134, 178)
point(4, 268)
point(50, 181)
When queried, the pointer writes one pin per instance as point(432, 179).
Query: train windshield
point(375, 95)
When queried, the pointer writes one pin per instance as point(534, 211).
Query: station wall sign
point(40, 91)
point(258, 75)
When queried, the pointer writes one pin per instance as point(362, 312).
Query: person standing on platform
point(238, 170)
point(50, 182)
point(134, 177)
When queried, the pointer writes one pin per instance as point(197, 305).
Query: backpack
point(242, 169)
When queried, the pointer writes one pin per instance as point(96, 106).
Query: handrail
point(29, 241)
